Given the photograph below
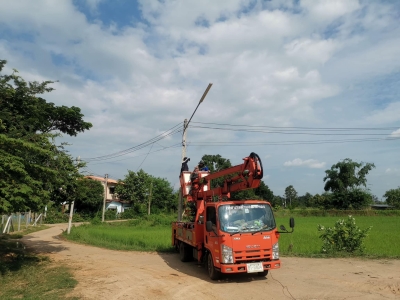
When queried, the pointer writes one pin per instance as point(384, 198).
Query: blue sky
point(139, 68)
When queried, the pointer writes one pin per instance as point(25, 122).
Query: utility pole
point(180, 204)
point(185, 126)
point(185, 123)
point(71, 209)
point(105, 197)
point(151, 188)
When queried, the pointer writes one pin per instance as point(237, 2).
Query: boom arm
point(248, 176)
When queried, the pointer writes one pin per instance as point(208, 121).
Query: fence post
point(26, 219)
point(2, 222)
point(19, 221)
point(37, 219)
point(7, 228)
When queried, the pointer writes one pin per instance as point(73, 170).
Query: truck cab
point(241, 237)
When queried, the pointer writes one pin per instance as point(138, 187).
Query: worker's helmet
point(201, 163)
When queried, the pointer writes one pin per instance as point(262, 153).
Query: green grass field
point(154, 234)
point(383, 240)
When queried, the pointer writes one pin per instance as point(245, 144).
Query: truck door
point(211, 239)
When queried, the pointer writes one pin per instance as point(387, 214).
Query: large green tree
point(31, 164)
point(347, 174)
point(141, 187)
point(290, 196)
point(264, 192)
point(345, 180)
point(392, 197)
point(216, 163)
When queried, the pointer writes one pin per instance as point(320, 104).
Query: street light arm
point(201, 100)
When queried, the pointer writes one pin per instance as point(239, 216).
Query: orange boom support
point(228, 236)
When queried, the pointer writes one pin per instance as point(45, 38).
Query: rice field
point(154, 234)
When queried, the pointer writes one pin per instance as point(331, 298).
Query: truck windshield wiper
point(233, 233)
point(263, 228)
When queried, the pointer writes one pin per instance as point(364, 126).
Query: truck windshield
point(245, 218)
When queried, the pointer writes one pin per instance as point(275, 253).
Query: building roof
point(102, 179)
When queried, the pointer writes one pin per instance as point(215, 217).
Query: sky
point(302, 83)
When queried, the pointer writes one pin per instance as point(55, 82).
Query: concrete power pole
point(180, 204)
point(151, 188)
point(71, 209)
point(105, 197)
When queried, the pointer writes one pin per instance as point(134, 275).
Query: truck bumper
point(242, 268)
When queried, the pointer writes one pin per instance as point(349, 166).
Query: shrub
point(128, 214)
point(345, 236)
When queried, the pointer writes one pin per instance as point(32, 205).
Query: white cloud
point(395, 133)
point(269, 67)
point(391, 113)
point(392, 171)
point(310, 163)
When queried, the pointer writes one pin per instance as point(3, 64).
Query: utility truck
point(228, 236)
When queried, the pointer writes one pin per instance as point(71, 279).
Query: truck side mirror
point(209, 226)
point(291, 222)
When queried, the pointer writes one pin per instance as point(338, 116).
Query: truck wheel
point(184, 252)
point(212, 272)
point(263, 274)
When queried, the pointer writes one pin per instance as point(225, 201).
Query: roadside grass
point(150, 233)
point(383, 240)
point(24, 275)
point(153, 233)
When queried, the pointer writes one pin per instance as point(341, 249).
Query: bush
point(128, 214)
point(345, 236)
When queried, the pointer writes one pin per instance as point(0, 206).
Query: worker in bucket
point(202, 166)
point(185, 166)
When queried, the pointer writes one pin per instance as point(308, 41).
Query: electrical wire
point(286, 132)
point(173, 130)
point(302, 128)
point(106, 162)
point(283, 143)
point(145, 157)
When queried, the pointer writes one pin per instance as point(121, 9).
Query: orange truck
point(228, 236)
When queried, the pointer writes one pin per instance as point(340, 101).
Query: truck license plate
point(255, 267)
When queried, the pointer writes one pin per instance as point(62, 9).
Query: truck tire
point(263, 274)
point(184, 252)
point(212, 272)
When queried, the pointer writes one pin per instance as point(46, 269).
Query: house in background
point(112, 200)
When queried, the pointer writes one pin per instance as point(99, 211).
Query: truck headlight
point(227, 257)
point(275, 251)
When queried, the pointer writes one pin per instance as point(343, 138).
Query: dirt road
point(107, 274)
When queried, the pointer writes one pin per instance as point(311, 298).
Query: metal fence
point(19, 221)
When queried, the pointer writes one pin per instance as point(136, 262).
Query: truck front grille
point(251, 255)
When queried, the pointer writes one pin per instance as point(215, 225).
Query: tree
point(317, 201)
point(163, 196)
point(32, 166)
point(346, 174)
point(393, 197)
point(216, 163)
point(344, 180)
point(89, 195)
point(305, 200)
point(290, 195)
point(264, 192)
point(135, 187)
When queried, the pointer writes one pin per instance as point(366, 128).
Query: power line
point(155, 139)
point(303, 128)
point(145, 157)
point(106, 162)
point(284, 143)
point(285, 132)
